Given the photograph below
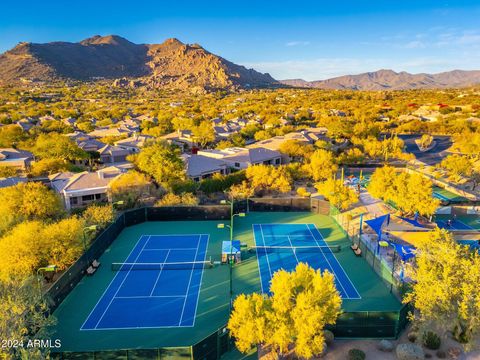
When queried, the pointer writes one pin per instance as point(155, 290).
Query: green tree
point(56, 146)
point(162, 162)
point(131, 188)
point(445, 287)
point(10, 135)
point(48, 166)
point(302, 303)
point(468, 143)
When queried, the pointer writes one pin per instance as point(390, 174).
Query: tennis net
point(295, 249)
point(188, 265)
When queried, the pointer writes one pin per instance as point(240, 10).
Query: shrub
point(431, 340)
point(412, 336)
point(301, 191)
point(170, 199)
point(329, 337)
point(356, 354)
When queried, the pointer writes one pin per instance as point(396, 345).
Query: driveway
point(433, 156)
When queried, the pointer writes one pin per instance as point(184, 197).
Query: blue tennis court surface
point(454, 225)
point(153, 298)
point(298, 235)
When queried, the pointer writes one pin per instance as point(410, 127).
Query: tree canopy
point(131, 188)
point(339, 195)
point(27, 201)
point(409, 192)
point(302, 303)
point(57, 146)
point(445, 288)
point(322, 165)
point(162, 162)
point(265, 178)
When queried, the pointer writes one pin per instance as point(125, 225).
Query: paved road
point(431, 157)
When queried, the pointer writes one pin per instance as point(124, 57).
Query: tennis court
point(157, 285)
point(159, 328)
point(459, 223)
point(448, 196)
point(283, 246)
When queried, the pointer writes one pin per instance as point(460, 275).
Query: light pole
point(230, 260)
point(49, 268)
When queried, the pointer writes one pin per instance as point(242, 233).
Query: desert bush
point(431, 340)
point(356, 354)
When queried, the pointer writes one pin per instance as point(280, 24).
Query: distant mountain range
point(170, 64)
point(391, 80)
point(174, 64)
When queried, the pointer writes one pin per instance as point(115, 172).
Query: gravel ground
point(339, 350)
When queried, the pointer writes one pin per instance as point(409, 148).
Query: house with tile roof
point(200, 167)
point(18, 159)
point(134, 143)
point(113, 154)
point(81, 189)
point(241, 158)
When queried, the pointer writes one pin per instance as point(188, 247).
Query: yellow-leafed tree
point(409, 192)
point(321, 165)
point(100, 215)
point(27, 201)
point(62, 241)
point(339, 195)
point(302, 303)
point(21, 251)
point(445, 289)
point(265, 178)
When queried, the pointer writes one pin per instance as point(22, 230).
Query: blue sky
point(296, 39)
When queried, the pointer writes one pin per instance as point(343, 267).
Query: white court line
point(326, 259)
point(143, 327)
point(293, 251)
point(170, 249)
point(266, 253)
point(159, 273)
point(148, 297)
point(118, 289)
point(111, 282)
point(171, 235)
point(200, 284)
point(258, 259)
point(461, 222)
point(338, 262)
point(189, 281)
